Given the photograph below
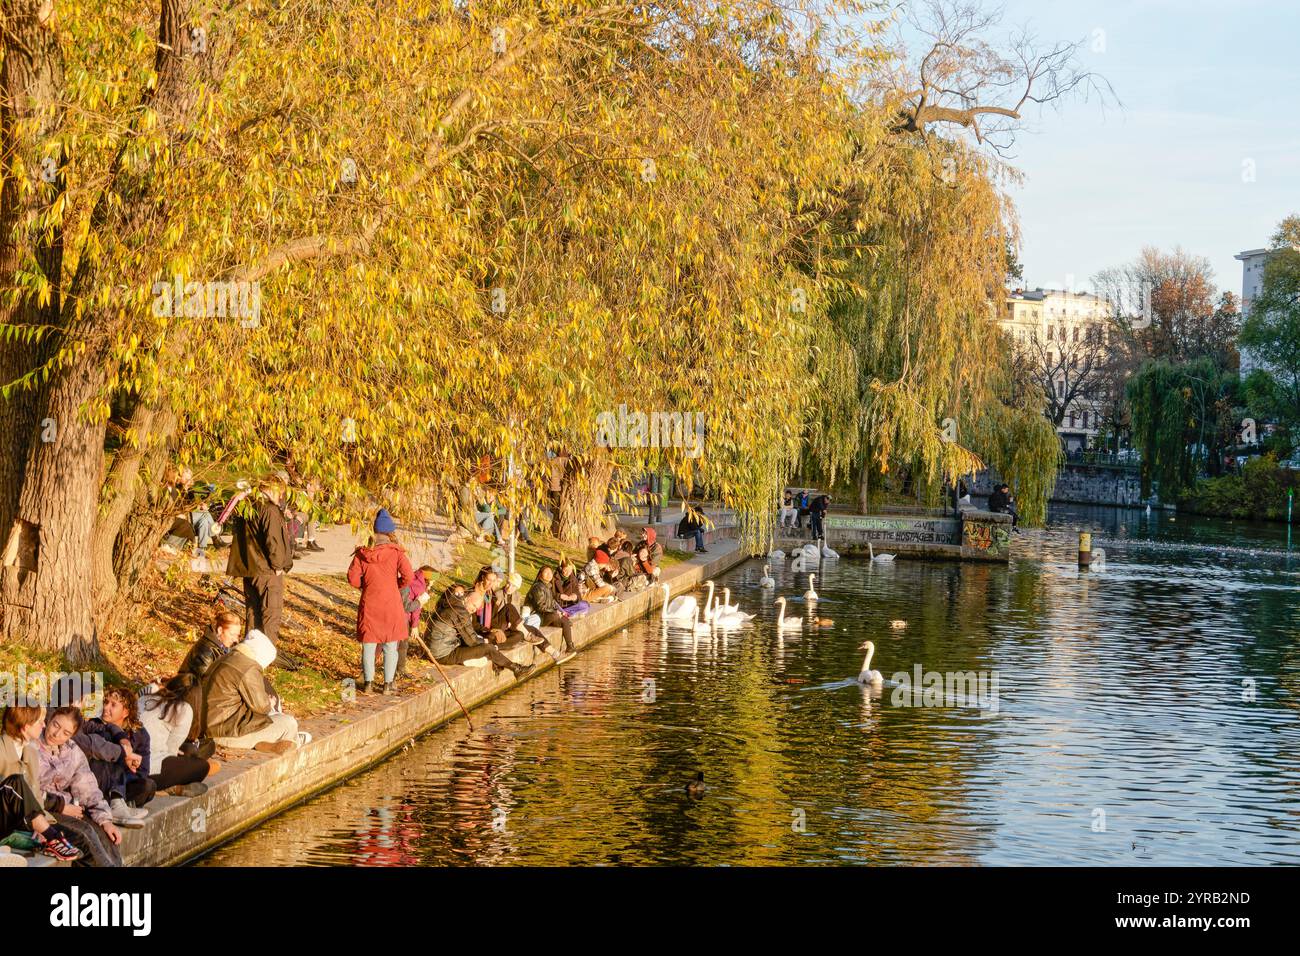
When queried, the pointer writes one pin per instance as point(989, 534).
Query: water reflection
point(1120, 704)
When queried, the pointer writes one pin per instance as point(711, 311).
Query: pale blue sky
point(1205, 85)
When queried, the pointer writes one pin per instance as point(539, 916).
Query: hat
point(384, 523)
point(259, 647)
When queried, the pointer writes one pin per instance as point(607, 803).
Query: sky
point(1203, 151)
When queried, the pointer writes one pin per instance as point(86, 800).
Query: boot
point(368, 687)
point(521, 670)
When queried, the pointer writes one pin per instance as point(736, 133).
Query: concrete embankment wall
point(253, 787)
point(972, 536)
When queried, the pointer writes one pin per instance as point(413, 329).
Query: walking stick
point(445, 680)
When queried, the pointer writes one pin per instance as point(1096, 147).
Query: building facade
point(1063, 334)
point(1252, 280)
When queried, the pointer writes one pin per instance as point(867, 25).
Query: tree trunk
point(580, 504)
point(126, 495)
point(31, 77)
point(46, 577)
point(864, 483)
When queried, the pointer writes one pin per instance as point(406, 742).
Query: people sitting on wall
point(25, 822)
point(692, 526)
point(568, 588)
point(499, 608)
point(71, 792)
point(650, 540)
point(125, 788)
point(621, 554)
point(544, 602)
point(237, 711)
point(177, 763)
point(1001, 502)
point(786, 517)
point(644, 570)
point(599, 579)
point(455, 637)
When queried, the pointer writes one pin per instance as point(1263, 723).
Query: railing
point(1101, 459)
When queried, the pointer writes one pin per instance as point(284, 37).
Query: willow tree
point(457, 245)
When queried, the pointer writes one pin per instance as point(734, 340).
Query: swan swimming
point(767, 581)
point(786, 623)
point(731, 610)
point(776, 554)
point(698, 626)
point(811, 594)
point(827, 550)
point(867, 675)
point(878, 557)
point(681, 608)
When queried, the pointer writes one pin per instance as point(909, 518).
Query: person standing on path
point(381, 571)
point(817, 514)
point(261, 554)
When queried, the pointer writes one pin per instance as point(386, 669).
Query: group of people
point(489, 617)
point(798, 504)
point(199, 521)
point(71, 780)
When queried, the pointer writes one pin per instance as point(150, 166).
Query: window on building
point(1050, 332)
point(1071, 419)
point(1085, 419)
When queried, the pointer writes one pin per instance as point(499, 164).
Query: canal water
point(1146, 713)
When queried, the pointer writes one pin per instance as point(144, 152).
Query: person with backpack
point(381, 571)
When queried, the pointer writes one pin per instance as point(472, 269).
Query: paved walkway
point(426, 542)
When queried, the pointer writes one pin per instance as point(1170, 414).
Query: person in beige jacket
point(237, 711)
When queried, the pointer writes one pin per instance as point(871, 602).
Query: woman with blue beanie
point(380, 571)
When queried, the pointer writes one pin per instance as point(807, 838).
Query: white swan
point(710, 609)
point(776, 554)
point(878, 557)
point(681, 608)
point(811, 552)
point(784, 623)
point(867, 675)
point(767, 581)
point(725, 621)
point(799, 564)
point(726, 608)
point(811, 593)
point(698, 626)
point(827, 551)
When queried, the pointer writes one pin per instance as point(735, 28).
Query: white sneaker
point(122, 813)
point(304, 738)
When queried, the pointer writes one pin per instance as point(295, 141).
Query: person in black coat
point(261, 552)
point(692, 526)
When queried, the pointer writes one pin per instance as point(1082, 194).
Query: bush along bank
point(1258, 493)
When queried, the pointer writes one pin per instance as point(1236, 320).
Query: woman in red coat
point(380, 571)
